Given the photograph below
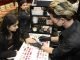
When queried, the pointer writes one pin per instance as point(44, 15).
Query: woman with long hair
point(9, 38)
point(24, 17)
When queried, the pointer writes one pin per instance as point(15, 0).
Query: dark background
point(2, 2)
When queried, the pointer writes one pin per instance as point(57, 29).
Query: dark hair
point(20, 4)
point(51, 11)
point(8, 20)
point(72, 1)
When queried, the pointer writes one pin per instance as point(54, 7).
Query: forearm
point(55, 39)
point(47, 49)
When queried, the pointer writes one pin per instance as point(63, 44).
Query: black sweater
point(5, 51)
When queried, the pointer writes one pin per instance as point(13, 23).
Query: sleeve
point(17, 41)
point(7, 54)
point(65, 47)
point(4, 53)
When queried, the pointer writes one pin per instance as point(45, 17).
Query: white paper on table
point(28, 52)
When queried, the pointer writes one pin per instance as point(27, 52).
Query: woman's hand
point(33, 42)
point(30, 40)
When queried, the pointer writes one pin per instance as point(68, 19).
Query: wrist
point(47, 49)
point(42, 47)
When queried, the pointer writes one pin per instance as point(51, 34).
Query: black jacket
point(5, 51)
point(24, 22)
point(69, 44)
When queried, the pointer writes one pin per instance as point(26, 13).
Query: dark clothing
point(18, 1)
point(7, 49)
point(78, 13)
point(69, 44)
point(24, 20)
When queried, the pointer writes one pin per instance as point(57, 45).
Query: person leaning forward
point(62, 13)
